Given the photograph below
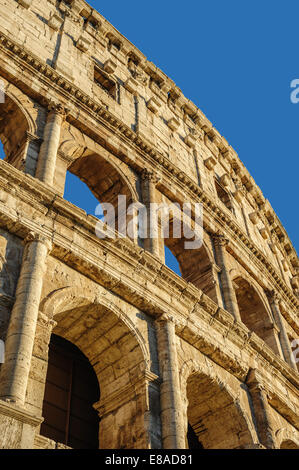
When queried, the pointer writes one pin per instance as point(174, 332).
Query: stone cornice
point(143, 147)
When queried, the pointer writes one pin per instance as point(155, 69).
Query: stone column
point(47, 156)
point(31, 152)
point(283, 337)
point(148, 192)
point(227, 289)
point(39, 364)
point(261, 409)
point(173, 429)
point(22, 324)
point(215, 273)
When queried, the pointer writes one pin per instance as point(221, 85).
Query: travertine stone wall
point(210, 349)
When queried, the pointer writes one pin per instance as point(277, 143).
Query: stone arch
point(196, 265)
point(103, 173)
point(287, 439)
point(255, 311)
point(234, 274)
point(211, 404)
point(20, 128)
point(67, 296)
point(71, 389)
point(119, 356)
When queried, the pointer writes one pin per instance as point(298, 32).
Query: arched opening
point(13, 132)
point(71, 390)
point(253, 312)
point(215, 420)
point(171, 261)
point(106, 185)
point(289, 444)
point(195, 265)
point(108, 340)
point(192, 439)
point(76, 192)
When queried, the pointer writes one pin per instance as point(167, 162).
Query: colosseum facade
point(105, 346)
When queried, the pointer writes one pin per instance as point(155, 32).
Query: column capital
point(149, 175)
point(272, 295)
point(165, 317)
point(38, 237)
point(45, 321)
point(254, 380)
point(57, 108)
point(66, 158)
point(219, 239)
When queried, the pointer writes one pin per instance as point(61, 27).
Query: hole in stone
point(79, 194)
point(171, 261)
point(2, 153)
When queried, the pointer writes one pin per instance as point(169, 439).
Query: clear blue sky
point(235, 60)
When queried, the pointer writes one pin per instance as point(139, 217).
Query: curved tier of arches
point(21, 124)
point(119, 357)
point(213, 410)
point(105, 335)
point(255, 313)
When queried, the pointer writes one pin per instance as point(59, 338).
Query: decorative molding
point(210, 163)
point(254, 217)
point(12, 410)
point(57, 108)
point(131, 85)
point(225, 180)
point(37, 237)
point(190, 140)
point(25, 3)
point(153, 105)
point(219, 239)
point(55, 21)
point(173, 124)
point(83, 43)
point(148, 175)
point(110, 66)
point(126, 393)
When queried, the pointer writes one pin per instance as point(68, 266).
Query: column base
point(17, 427)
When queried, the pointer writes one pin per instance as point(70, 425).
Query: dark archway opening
point(214, 417)
point(71, 390)
point(192, 439)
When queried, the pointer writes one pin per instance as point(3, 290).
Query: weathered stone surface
point(199, 360)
